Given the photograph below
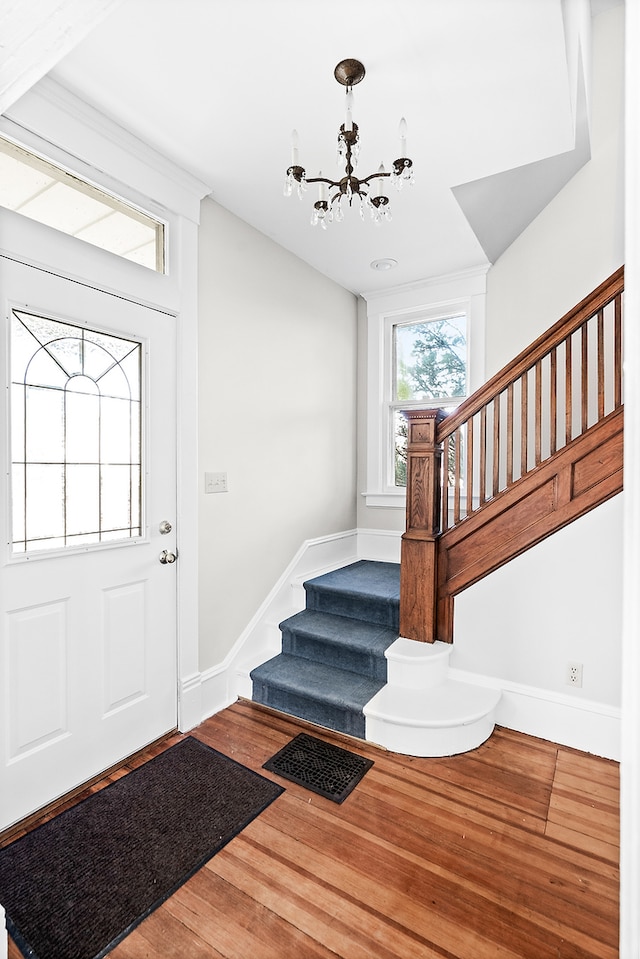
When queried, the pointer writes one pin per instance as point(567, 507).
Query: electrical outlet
point(574, 674)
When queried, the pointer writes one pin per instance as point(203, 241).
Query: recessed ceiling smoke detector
point(386, 263)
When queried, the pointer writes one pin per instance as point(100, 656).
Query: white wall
point(277, 396)
point(578, 239)
point(560, 601)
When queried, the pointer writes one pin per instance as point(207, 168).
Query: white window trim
point(459, 293)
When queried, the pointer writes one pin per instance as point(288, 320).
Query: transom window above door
point(42, 191)
point(76, 435)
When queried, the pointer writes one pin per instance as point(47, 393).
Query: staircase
point(332, 661)
point(536, 447)
point(343, 666)
point(532, 450)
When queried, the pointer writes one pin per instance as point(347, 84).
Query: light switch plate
point(215, 482)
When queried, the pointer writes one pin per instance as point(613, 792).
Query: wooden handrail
point(469, 457)
point(528, 358)
point(488, 444)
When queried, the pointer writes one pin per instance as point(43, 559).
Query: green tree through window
point(430, 368)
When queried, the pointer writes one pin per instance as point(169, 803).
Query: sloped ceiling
point(495, 94)
point(500, 206)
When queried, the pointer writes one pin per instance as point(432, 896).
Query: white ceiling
point(486, 86)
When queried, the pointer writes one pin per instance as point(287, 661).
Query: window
point(75, 435)
point(36, 188)
point(429, 369)
point(425, 347)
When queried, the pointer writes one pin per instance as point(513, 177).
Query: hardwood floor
point(508, 851)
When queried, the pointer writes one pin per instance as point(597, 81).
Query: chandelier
point(334, 196)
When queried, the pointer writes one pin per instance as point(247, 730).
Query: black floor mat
point(76, 885)
point(325, 769)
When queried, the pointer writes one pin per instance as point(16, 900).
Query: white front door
point(88, 609)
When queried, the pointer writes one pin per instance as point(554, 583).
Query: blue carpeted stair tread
point(365, 590)
point(337, 686)
point(333, 653)
point(338, 640)
point(367, 577)
point(316, 692)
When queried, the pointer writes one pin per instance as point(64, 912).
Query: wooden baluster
point(444, 522)
point(496, 445)
point(509, 437)
point(568, 390)
point(469, 466)
point(483, 455)
point(584, 378)
point(524, 424)
point(553, 402)
point(456, 475)
point(538, 412)
point(617, 352)
point(418, 581)
point(600, 364)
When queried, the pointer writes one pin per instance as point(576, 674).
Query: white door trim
point(190, 711)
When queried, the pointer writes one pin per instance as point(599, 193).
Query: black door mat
point(76, 885)
point(325, 769)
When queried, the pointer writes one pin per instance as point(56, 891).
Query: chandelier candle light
point(370, 195)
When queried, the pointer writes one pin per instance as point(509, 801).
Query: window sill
point(386, 500)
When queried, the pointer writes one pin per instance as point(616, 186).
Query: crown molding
point(58, 118)
point(428, 282)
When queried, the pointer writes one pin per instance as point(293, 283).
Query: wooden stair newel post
point(418, 564)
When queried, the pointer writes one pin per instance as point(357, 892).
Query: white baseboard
point(190, 709)
point(204, 695)
point(379, 544)
point(581, 724)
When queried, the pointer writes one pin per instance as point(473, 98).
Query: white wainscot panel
point(36, 691)
point(125, 640)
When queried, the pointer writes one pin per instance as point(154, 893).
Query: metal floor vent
point(325, 769)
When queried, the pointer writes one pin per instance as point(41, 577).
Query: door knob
point(167, 557)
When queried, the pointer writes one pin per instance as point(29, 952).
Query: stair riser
point(430, 741)
point(381, 613)
point(319, 650)
point(312, 710)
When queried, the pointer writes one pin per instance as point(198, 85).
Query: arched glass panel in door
point(75, 435)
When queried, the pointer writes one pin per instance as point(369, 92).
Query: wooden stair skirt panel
point(421, 712)
point(580, 477)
